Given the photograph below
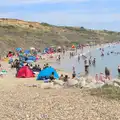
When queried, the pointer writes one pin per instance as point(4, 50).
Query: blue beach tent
point(33, 58)
point(30, 61)
point(45, 73)
point(27, 51)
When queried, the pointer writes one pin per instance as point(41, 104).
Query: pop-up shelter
point(33, 58)
point(27, 51)
point(45, 73)
point(25, 72)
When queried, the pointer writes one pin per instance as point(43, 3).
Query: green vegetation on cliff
point(17, 33)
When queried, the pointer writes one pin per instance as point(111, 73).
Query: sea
point(111, 61)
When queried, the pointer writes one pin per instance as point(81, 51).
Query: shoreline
point(97, 47)
point(62, 71)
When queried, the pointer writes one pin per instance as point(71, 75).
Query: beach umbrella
point(30, 61)
point(32, 48)
point(18, 49)
point(73, 46)
point(59, 47)
point(27, 51)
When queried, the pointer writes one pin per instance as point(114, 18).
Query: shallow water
point(111, 61)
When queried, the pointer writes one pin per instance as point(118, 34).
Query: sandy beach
point(20, 102)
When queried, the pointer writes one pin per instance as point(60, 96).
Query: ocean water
point(111, 61)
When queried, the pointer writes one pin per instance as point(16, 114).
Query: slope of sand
point(19, 102)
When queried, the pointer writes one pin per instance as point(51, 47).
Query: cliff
point(18, 33)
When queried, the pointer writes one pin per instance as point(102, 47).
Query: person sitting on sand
point(31, 66)
point(47, 65)
point(52, 77)
point(65, 78)
point(44, 66)
point(17, 65)
point(61, 77)
point(38, 68)
point(35, 66)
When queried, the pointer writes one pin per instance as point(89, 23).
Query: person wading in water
point(86, 66)
point(79, 58)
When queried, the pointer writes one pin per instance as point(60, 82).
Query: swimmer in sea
point(108, 53)
point(94, 61)
point(90, 61)
point(79, 58)
point(86, 64)
point(102, 54)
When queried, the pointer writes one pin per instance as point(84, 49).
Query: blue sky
point(94, 14)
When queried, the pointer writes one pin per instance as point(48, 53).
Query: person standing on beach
point(119, 70)
point(107, 73)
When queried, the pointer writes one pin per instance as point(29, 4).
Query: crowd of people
point(89, 61)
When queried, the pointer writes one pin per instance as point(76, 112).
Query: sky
point(92, 14)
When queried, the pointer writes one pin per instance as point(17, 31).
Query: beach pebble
point(72, 82)
point(82, 82)
point(89, 79)
point(59, 82)
point(57, 86)
point(116, 85)
point(47, 85)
